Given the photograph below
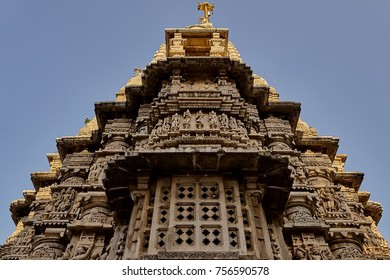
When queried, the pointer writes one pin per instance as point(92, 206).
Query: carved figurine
point(51, 205)
point(120, 248)
point(275, 246)
point(327, 196)
point(298, 171)
point(95, 171)
point(66, 201)
point(83, 252)
point(314, 253)
point(76, 209)
point(186, 119)
point(232, 123)
point(175, 122)
point(167, 124)
point(300, 254)
point(159, 127)
point(213, 120)
point(224, 121)
point(199, 119)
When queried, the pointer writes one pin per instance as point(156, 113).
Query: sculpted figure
point(95, 171)
point(187, 119)
point(199, 119)
point(50, 207)
point(66, 200)
point(121, 244)
point(300, 254)
point(213, 120)
point(167, 124)
point(76, 209)
point(275, 246)
point(83, 252)
point(326, 194)
point(175, 122)
point(314, 254)
point(327, 255)
point(232, 123)
point(298, 171)
point(159, 127)
point(224, 121)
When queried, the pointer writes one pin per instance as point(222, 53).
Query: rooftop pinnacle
point(207, 8)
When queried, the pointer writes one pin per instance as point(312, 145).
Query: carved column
point(258, 219)
point(137, 222)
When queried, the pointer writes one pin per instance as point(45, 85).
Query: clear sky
point(57, 58)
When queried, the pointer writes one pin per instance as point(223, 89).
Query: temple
point(196, 158)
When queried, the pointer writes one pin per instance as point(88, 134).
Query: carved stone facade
point(197, 158)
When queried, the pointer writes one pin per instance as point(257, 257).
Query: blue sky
point(57, 58)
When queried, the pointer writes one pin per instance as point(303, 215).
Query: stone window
point(198, 214)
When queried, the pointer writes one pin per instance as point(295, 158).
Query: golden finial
point(207, 8)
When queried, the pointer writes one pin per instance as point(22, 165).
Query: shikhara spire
point(196, 158)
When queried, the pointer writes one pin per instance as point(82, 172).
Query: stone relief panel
point(200, 128)
point(22, 244)
point(298, 171)
point(59, 205)
point(96, 172)
point(332, 204)
point(77, 161)
point(309, 246)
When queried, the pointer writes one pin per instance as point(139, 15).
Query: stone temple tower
point(197, 158)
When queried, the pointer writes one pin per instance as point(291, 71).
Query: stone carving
point(120, 246)
point(328, 200)
point(300, 254)
point(107, 250)
point(96, 215)
point(159, 127)
point(326, 254)
point(275, 246)
point(298, 171)
point(44, 253)
point(224, 122)
point(166, 124)
point(199, 119)
point(77, 161)
point(53, 203)
point(66, 200)
point(142, 127)
point(213, 120)
point(205, 129)
point(96, 172)
point(60, 202)
point(350, 253)
point(68, 252)
point(301, 215)
point(74, 180)
point(232, 123)
point(117, 145)
point(187, 119)
point(175, 122)
point(83, 252)
point(278, 146)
